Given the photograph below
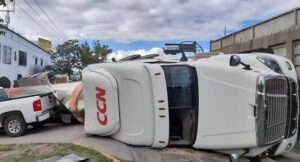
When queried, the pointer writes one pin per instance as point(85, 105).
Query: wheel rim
point(14, 126)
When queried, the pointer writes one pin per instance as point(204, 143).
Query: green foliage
point(2, 3)
point(35, 152)
point(2, 25)
point(4, 148)
point(66, 57)
point(101, 51)
point(72, 54)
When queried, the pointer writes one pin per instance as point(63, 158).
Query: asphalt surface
point(60, 133)
point(292, 156)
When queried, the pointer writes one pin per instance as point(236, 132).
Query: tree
point(101, 51)
point(91, 55)
point(74, 55)
point(66, 57)
point(2, 3)
point(84, 56)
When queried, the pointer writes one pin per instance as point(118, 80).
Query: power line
point(19, 17)
point(58, 34)
point(33, 19)
point(49, 18)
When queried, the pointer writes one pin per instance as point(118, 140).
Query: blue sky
point(145, 45)
point(148, 45)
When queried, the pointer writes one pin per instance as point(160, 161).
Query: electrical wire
point(58, 34)
point(50, 20)
point(26, 22)
point(33, 19)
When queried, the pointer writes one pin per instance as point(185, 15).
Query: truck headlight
point(270, 63)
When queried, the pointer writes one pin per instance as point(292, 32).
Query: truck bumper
point(286, 145)
point(46, 115)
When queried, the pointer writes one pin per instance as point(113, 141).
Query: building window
point(0, 52)
point(22, 58)
point(19, 76)
point(36, 61)
point(15, 56)
point(42, 63)
point(7, 55)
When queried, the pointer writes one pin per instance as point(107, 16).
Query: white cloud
point(133, 20)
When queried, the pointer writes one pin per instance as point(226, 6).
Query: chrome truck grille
point(274, 109)
point(292, 113)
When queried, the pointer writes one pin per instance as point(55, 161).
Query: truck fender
point(6, 114)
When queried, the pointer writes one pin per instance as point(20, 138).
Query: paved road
point(292, 156)
point(59, 133)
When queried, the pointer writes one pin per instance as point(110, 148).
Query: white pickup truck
point(16, 113)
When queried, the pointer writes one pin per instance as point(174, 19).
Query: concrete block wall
point(281, 33)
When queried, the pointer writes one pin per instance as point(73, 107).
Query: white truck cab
point(239, 104)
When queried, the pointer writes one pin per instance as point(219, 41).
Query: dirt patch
point(208, 156)
point(44, 148)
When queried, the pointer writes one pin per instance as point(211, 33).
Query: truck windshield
point(3, 95)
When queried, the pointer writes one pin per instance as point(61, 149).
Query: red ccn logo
point(101, 106)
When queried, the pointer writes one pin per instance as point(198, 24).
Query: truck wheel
point(15, 126)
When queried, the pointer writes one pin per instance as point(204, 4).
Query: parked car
point(16, 113)
point(239, 104)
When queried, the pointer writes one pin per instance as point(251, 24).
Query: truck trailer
point(237, 104)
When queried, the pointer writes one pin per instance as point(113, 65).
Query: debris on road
point(68, 158)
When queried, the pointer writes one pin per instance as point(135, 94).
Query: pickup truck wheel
point(15, 126)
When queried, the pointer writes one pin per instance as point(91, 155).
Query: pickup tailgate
point(48, 101)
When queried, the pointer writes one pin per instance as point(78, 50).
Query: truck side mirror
point(235, 60)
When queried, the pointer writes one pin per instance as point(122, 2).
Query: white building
point(19, 57)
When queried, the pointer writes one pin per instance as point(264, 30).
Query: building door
point(296, 55)
point(279, 49)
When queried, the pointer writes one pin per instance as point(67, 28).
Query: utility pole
point(7, 18)
point(225, 31)
point(7, 6)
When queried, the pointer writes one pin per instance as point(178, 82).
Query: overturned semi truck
point(238, 104)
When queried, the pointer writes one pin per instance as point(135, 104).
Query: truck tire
point(14, 126)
